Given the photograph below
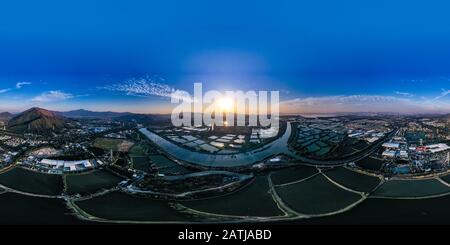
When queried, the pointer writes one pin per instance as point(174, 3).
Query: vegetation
point(353, 180)
point(370, 163)
point(446, 178)
point(292, 174)
point(16, 209)
point(33, 182)
point(196, 182)
point(411, 188)
point(113, 144)
point(316, 196)
point(175, 170)
point(139, 149)
point(37, 120)
point(120, 206)
point(140, 163)
point(382, 211)
point(161, 161)
point(91, 182)
point(252, 200)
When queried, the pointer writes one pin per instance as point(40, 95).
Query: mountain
point(447, 118)
point(92, 114)
point(145, 118)
point(5, 116)
point(117, 116)
point(37, 120)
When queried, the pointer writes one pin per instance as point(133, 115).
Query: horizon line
point(281, 114)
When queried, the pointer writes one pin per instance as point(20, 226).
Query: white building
point(404, 154)
point(391, 145)
point(67, 166)
point(389, 154)
point(437, 148)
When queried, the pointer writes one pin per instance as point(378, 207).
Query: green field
point(370, 163)
point(162, 161)
point(175, 170)
point(113, 144)
point(120, 206)
point(139, 149)
point(381, 211)
point(316, 196)
point(252, 200)
point(91, 182)
point(27, 210)
point(411, 188)
point(292, 174)
point(360, 145)
point(140, 163)
point(446, 178)
point(32, 182)
point(353, 180)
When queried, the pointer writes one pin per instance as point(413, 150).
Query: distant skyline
point(323, 56)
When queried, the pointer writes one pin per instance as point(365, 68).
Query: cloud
point(51, 96)
point(415, 80)
point(4, 90)
point(142, 87)
point(362, 103)
point(444, 92)
point(406, 94)
point(19, 85)
point(148, 87)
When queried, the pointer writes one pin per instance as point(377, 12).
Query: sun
point(225, 104)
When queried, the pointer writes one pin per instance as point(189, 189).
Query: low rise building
point(435, 148)
point(389, 154)
point(391, 145)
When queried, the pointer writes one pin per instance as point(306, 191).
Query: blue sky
point(323, 56)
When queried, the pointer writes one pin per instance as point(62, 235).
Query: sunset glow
point(225, 104)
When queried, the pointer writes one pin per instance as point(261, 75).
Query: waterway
point(278, 146)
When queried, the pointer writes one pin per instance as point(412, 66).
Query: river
point(278, 146)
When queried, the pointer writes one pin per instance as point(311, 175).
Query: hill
point(36, 120)
point(92, 114)
point(5, 116)
point(145, 119)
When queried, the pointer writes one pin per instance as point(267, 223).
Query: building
point(404, 154)
point(437, 148)
point(391, 145)
point(67, 166)
point(389, 154)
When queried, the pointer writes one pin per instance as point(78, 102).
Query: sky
point(322, 56)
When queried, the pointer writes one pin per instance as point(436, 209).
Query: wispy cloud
point(142, 87)
point(4, 90)
point(415, 80)
point(19, 85)
point(405, 94)
point(444, 92)
point(147, 87)
point(51, 96)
